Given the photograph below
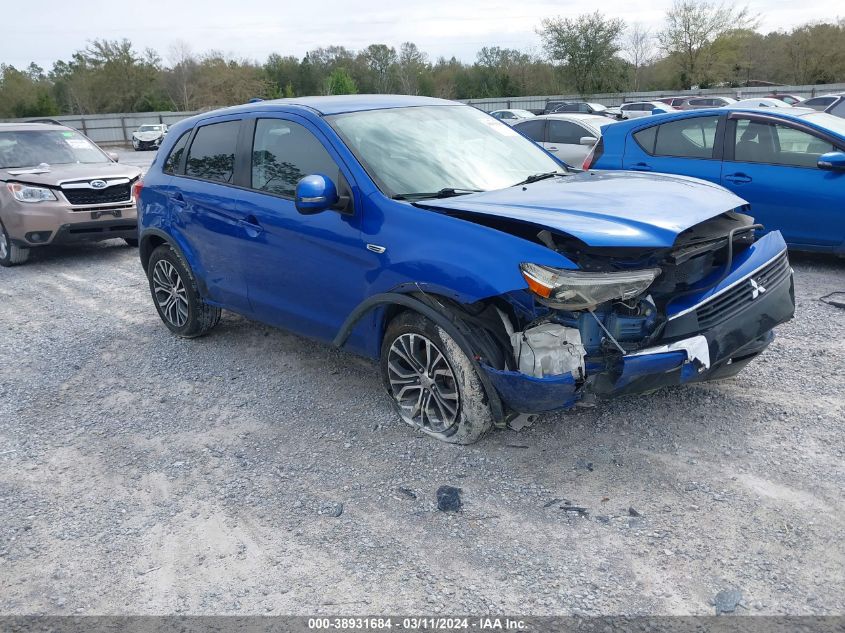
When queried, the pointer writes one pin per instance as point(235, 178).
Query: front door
point(305, 272)
point(773, 165)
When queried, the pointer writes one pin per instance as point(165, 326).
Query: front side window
point(212, 153)
point(566, 132)
point(687, 138)
point(283, 152)
point(775, 144)
point(839, 109)
point(174, 159)
point(28, 148)
point(430, 148)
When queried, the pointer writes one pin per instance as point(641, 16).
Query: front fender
point(446, 255)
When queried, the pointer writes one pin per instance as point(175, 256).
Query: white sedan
point(510, 116)
point(570, 137)
point(642, 108)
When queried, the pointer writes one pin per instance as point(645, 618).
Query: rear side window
point(819, 103)
point(174, 159)
point(839, 109)
point(566, 132)
point(532, 129)
point(687, 138)
point(212, 153)
point(284, 152)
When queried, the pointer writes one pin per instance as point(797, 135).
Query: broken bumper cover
point(748, 316)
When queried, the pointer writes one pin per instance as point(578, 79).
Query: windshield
point(430, 148)
point(150, 128)
point(827, 121)
point(29, 148)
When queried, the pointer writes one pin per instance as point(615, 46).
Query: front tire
point(433, 384)
point(131, 241)
point(176, 295)
point(10, 254)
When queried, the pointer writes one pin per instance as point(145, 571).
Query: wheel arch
point(435, 308)
point(151, 239)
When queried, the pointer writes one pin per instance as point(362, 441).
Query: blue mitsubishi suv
point(486, 277)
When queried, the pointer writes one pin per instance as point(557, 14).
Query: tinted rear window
point(174, 159)
point(212, 154)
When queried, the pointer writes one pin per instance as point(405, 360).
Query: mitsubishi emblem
point(756, 289)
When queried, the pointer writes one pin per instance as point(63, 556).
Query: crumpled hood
point(74, 171)
point(613, 208)
point(146, 136)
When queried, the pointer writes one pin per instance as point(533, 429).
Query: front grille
point(115, 193)
point(735, 300)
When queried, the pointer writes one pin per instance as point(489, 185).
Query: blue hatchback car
point(487, 278)
point(788, 163)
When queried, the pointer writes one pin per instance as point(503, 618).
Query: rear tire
point(176, 295)
point(434, 386)
point(10, 254)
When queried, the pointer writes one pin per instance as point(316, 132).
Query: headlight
point(25, 193)
point(578, 290)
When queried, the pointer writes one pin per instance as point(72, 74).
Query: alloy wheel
point(422, 383)
point(4, 244)
point(170, 293)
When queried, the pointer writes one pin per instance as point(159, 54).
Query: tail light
point(136, 190)
point(594, 155)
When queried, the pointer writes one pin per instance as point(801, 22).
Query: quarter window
point(212, 153)
point(645, 138)
point(775, 144)
point(174, 159)
point(284, 152)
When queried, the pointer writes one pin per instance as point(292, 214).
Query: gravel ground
point(255, 472)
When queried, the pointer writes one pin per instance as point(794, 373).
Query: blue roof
point(800, 115)
point(339, 104)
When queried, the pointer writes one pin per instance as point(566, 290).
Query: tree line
point(700, 44)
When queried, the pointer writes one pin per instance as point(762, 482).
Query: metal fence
point(612, 99)
point(116, 129)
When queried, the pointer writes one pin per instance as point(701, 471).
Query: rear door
point(691, 146)
point(535, 129)
point(772, 163)
point(206, 211)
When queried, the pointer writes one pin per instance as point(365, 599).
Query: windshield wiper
point(536, 177)
point(446, 192)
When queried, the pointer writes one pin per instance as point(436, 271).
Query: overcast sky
point(255, 28)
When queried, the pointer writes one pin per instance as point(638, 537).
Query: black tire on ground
point(442, 397)
point(131, 241)
point(176, 295)
point(10, 254)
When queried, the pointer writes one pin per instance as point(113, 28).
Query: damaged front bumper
point(710, 336)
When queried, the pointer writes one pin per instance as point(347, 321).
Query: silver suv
point(57, 186)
